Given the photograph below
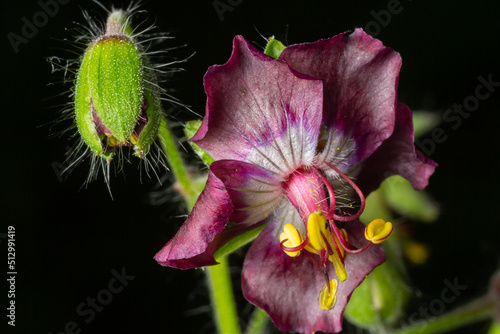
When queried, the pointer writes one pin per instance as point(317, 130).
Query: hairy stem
point(222, 296)
point(174, 157)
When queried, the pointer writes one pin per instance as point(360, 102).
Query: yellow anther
point(112, 140)
point(102, 136)
point(318, 232)
point(378, 230)
point(328, 295)
point(133, 139)
point(316, 229)
point(294, 237)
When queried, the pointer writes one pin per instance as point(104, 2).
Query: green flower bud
point(274, 48)
point(116, 96)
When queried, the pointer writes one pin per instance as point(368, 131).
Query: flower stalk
point(258, 322)
point(477, 310)
point(221, 293)
point(176, 163)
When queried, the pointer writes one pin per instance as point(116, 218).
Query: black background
point(69, 238)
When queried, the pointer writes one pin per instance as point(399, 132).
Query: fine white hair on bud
point(115, 100)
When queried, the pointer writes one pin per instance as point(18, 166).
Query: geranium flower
point(289, 136)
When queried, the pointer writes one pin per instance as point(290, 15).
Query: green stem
point(258, 322)
point(176, 163)
point(221, 291)
point(478, 310)
point(222, 296)
point(238, 242)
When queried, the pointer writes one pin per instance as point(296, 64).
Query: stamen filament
point(323, 255)
point(345, 244)
point(337, 249)
point(295, 248)
point(294, 240)
point(327, 277)
point(358, 191)
point(339, 266)
point(327, 243)
point(331, 193)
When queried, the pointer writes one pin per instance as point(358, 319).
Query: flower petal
point(192, 246)
point(288, 288)
point(397, 155)
point(253, 191)
point(260, 111)
point(235, 191)
point(360, 78)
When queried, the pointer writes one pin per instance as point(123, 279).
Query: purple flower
point(289, 137)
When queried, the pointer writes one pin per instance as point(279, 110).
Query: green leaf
point(189, 130)
point(403, 198)
point(424, 121)
point(375, 207)
point(495, 328)
point(380, 300)
point(274, 48)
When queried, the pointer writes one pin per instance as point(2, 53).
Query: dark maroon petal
point(288, 288)
point(236, 191)
point(193, 245)
point(254, 192)
point(360, 78)
point(260, 111)
point(397, 155)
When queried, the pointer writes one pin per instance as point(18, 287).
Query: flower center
point(323, 240)
point(319, 241)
